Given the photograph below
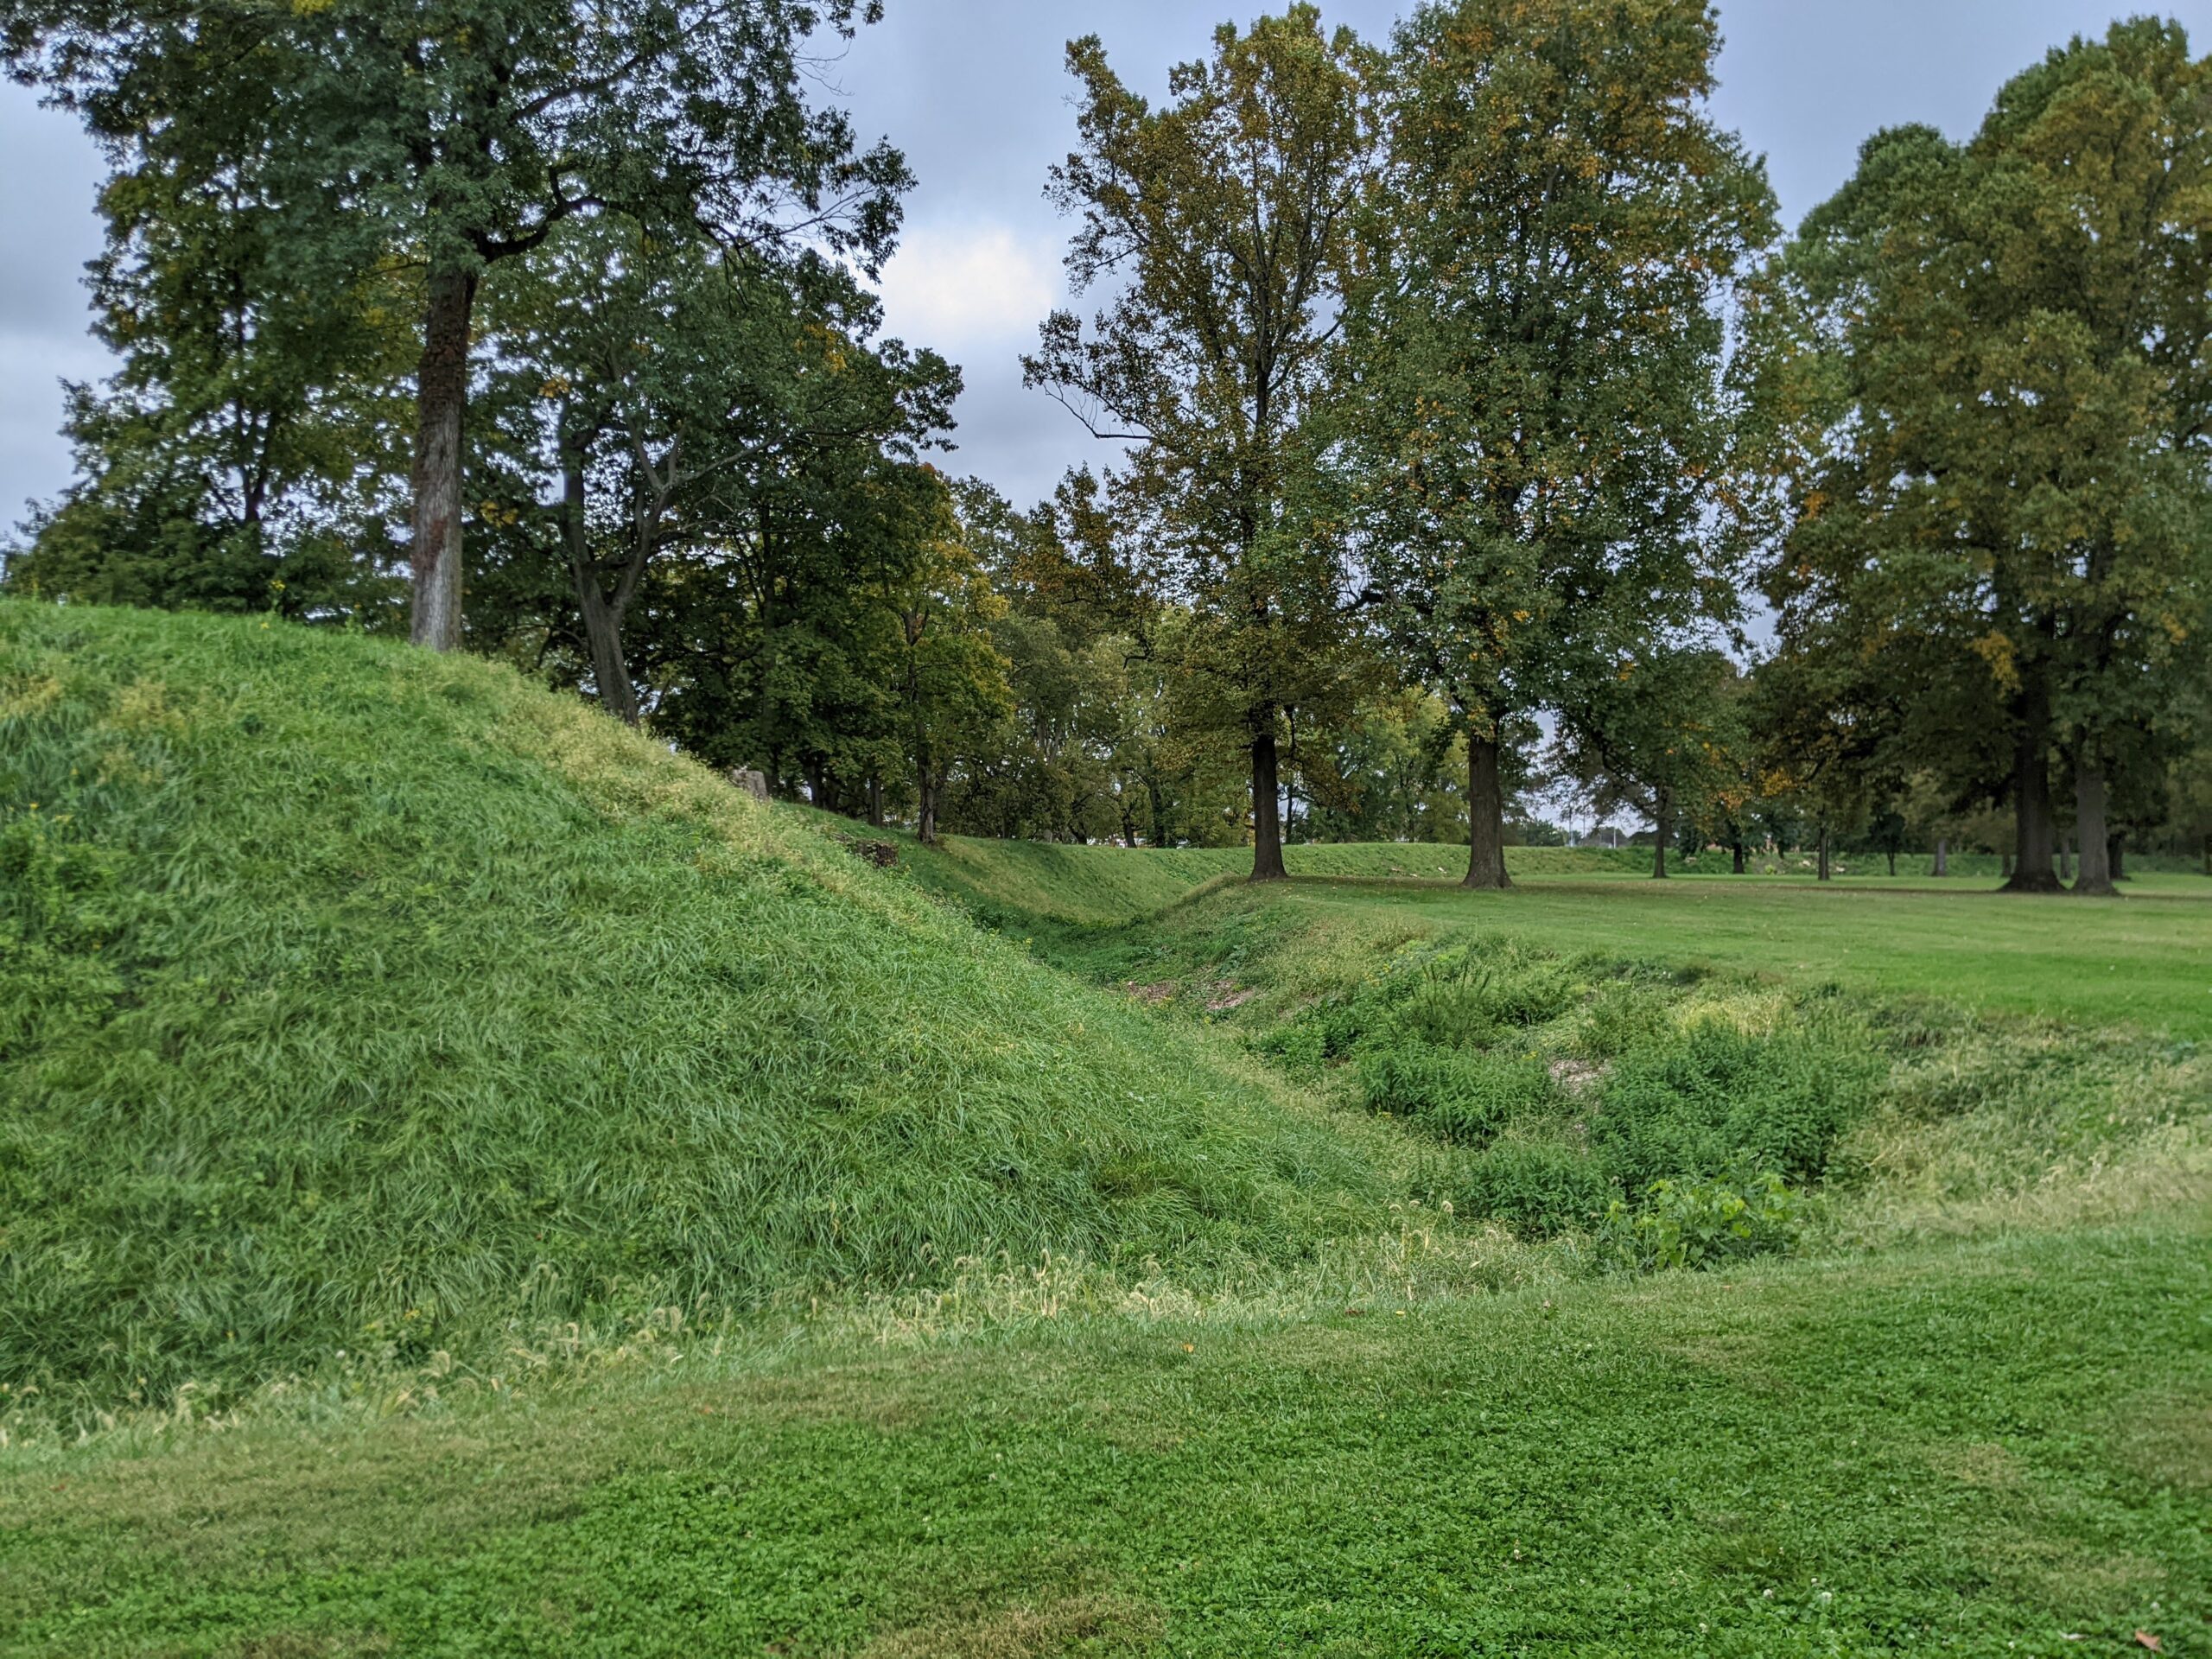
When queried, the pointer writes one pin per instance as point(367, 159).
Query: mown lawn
point(2145, 960)
point(2004, 1446)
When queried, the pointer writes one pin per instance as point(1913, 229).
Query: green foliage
point(244, 449)
point(1460, 1096)
point(1708, 1093)
point(1702, 1223)
point(1460, 996)
point(1575, 1082)
point(1224, 217)
point(1985, 359)
point(348, 138)
point(1621, 1018)
point(1664, 733)
point(1538, 1183)
point(729, 450)
point(1539, 444)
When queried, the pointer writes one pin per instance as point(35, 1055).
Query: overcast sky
point(975, 92)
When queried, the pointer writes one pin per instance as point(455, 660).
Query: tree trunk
point(2065, 859)
point(1266, 821)
point(1826, 874)
point(603, 632)
point(1943, 856)
point(1158, 811)
point(2036, 831)
point(2095, 875)
point(1663, 831)
point(1893, 862)
point(441, 401)
point(925, 807)
point(1737, 865)
point(875, 799)
point(2116, 855)
point(1485, 817)
point(602, 621)
point(2004, 864)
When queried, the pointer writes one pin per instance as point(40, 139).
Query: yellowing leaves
point(2003, 658)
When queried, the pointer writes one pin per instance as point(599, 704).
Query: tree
point(1225, 216)
point(773, 619)
point(671, 372)
point(951, 682)
point(1391, 773)
point(1051, 774)
point(457, 135)
point(1538, 424)
point(1825, 734)
point(238, 456)
point(1664, 736)
point(2006, 414)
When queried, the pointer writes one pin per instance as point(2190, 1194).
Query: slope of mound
point(356, 1000)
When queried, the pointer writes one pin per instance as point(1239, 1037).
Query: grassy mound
point(352, 999)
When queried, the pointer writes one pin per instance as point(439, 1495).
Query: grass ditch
point(1669, 1114)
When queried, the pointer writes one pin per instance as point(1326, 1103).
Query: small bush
point(1461, 1097)
point(1494, 1046)
point(1537, 1186)
point(1697, 1224)
point(1717, 1094)
point(1622, 1017)
point(1464, 996)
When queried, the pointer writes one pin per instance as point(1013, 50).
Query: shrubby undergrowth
point(1679, 1118)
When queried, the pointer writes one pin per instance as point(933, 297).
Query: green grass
point(1096, 885)
point(355, 1000)
point(1017, 881)
point(2144, 960)
point(734, 1248)
point(1986, 1449)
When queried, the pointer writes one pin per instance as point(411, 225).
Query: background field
point(2145, 960)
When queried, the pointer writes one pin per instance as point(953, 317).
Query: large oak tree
point(1221, 219)
point(1538, 422)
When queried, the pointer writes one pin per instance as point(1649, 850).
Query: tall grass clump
point(354, 999)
